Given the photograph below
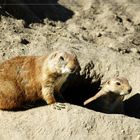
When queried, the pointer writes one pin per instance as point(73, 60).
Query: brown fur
point(112, 95)
point(29, 78)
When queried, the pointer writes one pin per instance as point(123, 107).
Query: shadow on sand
point(35, 10)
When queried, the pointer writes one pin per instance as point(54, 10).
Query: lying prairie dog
point(111, 95)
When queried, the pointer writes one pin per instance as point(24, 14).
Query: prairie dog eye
point(118, 83)
point(61, 58)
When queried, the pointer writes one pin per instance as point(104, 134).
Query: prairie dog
point(112, 95)
point(29, 78)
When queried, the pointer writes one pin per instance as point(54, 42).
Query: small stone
point(134, 50)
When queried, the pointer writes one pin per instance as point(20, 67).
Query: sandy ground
point(105, 35)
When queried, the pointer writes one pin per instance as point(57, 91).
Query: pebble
point(134, 50)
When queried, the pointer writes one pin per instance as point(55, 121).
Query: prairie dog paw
point(59, 106)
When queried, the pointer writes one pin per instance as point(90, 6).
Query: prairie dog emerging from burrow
point(111, 95)
point(29, 78)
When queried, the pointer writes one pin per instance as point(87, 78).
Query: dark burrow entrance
point(35, 10)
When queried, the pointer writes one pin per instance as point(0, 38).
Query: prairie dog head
point(63, 62)
point(118, 86)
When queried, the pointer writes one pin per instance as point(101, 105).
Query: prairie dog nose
point(130, 89)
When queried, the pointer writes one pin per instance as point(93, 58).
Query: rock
point(134, 50)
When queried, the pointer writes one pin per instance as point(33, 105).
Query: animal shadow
point(35, 10)
point(132, 106)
